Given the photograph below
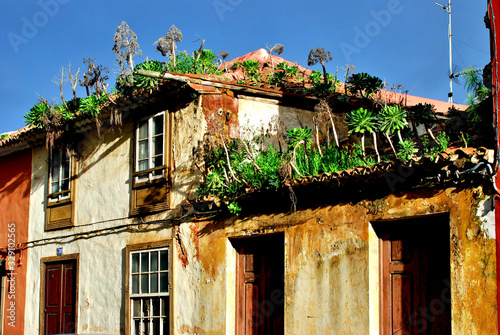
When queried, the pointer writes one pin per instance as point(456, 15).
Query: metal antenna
point(448, 9)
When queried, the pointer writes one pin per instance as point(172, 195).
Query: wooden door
point(415, 277)
point(260, 285)
point(60, 293)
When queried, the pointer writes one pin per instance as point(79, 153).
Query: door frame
point(43, 267)
point(235, 243)
point(375, 259)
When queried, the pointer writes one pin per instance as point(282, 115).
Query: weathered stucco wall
point(327, 271)
point(256, 114)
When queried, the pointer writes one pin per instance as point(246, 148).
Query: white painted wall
point(102, 201)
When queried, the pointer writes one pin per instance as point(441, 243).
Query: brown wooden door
point(415, 277)
point(60, 293)
point(260, 285)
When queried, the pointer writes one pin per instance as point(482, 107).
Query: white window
point(60, 176)
point(149, 291)
point(150, 148)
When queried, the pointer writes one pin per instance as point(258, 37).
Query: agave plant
point(393, 120)
point(363, 121)
point(251, 68)
point(148, 82)
point(426, 115)
point(364, 84)
point(37, 112)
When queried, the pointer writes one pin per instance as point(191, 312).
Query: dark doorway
point(60, 296)
point(415, 276)
point(260, 286)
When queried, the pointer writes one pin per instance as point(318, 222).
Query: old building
point(120, 242)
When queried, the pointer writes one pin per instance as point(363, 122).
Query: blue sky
point(402, 41)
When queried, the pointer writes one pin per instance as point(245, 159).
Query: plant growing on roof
point(324, 108)
point(407, 150)
point(167, 45)
point(363, 121)
point(251, 68)
point(278, 49)
point(223, 55)
point(146, 81)
point(319, 55)
point(364, 84)
point(205, 62)
point(392, 121)
point(296, 137)
point(126, 47)
point(426, 115)
point(348, 68)
point(95, 78)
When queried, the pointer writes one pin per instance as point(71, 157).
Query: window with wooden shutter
point(151, 177)
point(61, 189)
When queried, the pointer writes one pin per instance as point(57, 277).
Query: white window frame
point(150, 176)
point(146, 321)
point(60, 194)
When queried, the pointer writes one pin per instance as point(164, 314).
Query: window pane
point(136, 306)
point(156, 327)
point(143, 149)
point(166, 331)
point(158, 161)
point(158, 125)
point(54, 175)
point(135, 263)
point(145, 307)
point(137, 327)
point(65, 167)
point(154, 261)
point(144, 284)
point(154, 283)
point(165, 307)
point(157, 145)
point(143, 165)
point(164, 282)
point(143, 130)
point(54, 187)
point(164, 260)
point(144, 262)
point(156, 307)
point(135, 283)
point(65, 185)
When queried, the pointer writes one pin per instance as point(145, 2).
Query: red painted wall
point(15, 187)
